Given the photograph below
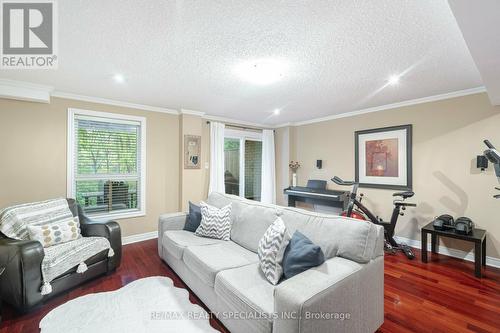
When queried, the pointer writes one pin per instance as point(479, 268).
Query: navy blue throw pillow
point(193, 218)
point(300, 255)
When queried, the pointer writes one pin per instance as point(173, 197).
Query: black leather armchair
point(22, 278)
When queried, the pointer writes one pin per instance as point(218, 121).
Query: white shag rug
point(148, 305)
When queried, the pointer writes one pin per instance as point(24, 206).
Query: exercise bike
point(355, 209)
point(494, 157)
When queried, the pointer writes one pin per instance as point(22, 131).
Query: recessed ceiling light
point(119, 78)
point(393, 80)
point(276, 112)
point(262, 71)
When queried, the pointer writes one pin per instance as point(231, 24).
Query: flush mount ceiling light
point(393, 80)
point(276, 112)
point(119, 78)
point(261, 72)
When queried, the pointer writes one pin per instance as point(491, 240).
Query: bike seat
point(405, 195)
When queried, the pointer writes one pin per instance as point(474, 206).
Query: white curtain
point(216, 158)
point(268, 187)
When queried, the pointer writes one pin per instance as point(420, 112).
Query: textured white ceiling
point(182, 54)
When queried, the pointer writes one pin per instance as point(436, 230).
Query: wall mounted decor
point(192, 152)
point(384, 157)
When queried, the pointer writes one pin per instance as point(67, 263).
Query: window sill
point(117, 216)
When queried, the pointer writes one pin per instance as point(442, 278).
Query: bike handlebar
point(406, 204)
point(340, 181)
point(488, 144)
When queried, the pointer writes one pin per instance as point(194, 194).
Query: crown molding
point(91, 99)
point(99, 100)
point(231, 121)
point(411, 102)
point(25, 91)
point(192, 112)
point(288, 124)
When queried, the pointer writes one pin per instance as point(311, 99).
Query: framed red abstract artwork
point(384, 157)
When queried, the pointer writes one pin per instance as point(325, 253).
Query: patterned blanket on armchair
point(57, 258)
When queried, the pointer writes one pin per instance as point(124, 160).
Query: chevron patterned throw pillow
point(215, 222)
point(271, 249)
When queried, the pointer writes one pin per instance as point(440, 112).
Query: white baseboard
point(139, 237)
point(469, 256)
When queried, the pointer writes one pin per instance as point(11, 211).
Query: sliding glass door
point(232, 154)
point(253, 169)
point(243, 163)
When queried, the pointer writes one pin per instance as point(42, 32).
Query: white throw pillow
point(271, 250)
point(56, 232)
point(215, 222)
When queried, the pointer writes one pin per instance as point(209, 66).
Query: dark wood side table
point(478, 237)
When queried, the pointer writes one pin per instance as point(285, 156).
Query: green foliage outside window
point(105, 152)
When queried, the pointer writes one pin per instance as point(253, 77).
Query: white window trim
point(242, 136)
point(70, 190)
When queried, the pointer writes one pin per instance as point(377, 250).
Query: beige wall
point(33, 159)
point(447, 136)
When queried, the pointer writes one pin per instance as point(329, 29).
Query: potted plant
point(294, 165)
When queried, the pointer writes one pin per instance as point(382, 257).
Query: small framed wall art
point(192, 151)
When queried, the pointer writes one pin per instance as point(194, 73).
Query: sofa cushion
point(194, 217)
point(56, 232)
point(206, 261)
point(250, 219)
point(343, 237)
point(336, 235)
point(220, 200)
point(327, 274)
point(271, 249)
point(175, 241)
point(215, 222)
point(246, 290)
point(300, 255)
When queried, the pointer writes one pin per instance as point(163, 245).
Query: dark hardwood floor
point(441, 296)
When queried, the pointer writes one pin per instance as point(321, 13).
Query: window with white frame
point(107, 163)
point(243, 163)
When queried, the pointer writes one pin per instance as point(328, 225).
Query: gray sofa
point(345, 294)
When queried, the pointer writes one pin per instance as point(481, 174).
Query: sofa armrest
point(338, 296)
point(21, 280)
point(107, 229)
point(170, 221)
